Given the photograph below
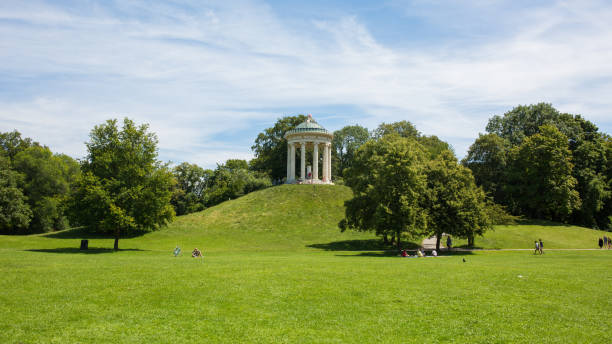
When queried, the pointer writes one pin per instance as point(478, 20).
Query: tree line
point(544, 164)
point(533, 161)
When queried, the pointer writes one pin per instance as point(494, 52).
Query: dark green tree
point(15, 213)
point(388, 180)
point(12, 143)
point(455, 205)
point(487, 160)
point(192, 183)
point(345, 142)
point(401, 128)
point(270, 148)
point(46, 182)
point(591, 161)
point(232, 180)
point(124, 188)
point(539, 180)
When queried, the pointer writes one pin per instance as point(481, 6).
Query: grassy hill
point(278, 270)
point(295, 217)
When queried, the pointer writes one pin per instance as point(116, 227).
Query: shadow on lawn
point(394, 253)
point(73, 250)
point(81, 233)
point(361, 245)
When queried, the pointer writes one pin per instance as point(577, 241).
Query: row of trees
point(544, 164)
point(34, 185)
point(199, 188)
point(405, 184)
point(119, 187)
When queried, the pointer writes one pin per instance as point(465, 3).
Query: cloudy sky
point(209, 76)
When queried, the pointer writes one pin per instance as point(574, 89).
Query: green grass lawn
point(277, 270)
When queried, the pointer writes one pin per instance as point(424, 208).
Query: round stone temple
point(312, 136)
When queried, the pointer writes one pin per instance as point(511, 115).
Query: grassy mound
point(554, 235)
point(278, 270)
point(294, 217)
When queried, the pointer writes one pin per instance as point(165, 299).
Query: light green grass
point(553, 235)
point(277, 270)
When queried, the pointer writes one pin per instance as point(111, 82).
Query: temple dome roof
point(308, 126)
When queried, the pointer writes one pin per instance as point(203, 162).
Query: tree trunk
point(399, 245)
point(470, 241)
point(116, 246)
point(385, 239)
point(438, 237)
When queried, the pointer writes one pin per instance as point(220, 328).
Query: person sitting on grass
point(196, 253)
point(420, 253)
point(404, 254)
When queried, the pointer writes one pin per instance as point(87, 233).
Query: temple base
point(308, 181)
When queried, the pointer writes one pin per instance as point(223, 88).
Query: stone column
point(329, 157)
point(324, 167)
point(288, 162)
point(292, 176)
point(315, 162)
point(303, 162)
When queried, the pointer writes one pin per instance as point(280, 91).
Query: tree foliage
point(46, 182)
point(387, 180)
point(454, 204)
point(401, 128)
point(490, 156)
point(15, 214)
point(345, 143)
point(540, 182)
point(232, 180)
point(190, 192)
point(486, 158)
point(12, 143)
point(124, 187)
point(270, 148)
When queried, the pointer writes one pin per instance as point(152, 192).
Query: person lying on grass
point(196, 253)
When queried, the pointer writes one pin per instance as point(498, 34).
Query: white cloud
point(196, 72)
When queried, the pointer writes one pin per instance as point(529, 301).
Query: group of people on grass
point(605, 242)
point(420, 253)
point(539, 247)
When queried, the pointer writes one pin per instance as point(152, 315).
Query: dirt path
point(430, 243)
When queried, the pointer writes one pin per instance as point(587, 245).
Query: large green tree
point(487, 159)
point(455, 205)
point(46, 182)
point(12, 143)
point(345, 142)
point(388, 180)
point(540, 182)
point(270, 148)
point(401, 128)
point(15, 213)
point(232, 180)
point(124, 188)
point(192, 183)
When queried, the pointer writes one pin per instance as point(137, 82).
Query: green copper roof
point(310, 126)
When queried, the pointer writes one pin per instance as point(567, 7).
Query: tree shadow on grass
point(82, 233)
point(394, 253)
point(360, 245)
point(74, 250)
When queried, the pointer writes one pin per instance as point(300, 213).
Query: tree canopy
point(270, 148)
point(345, 142)
point(387, 180)
point(500, 161)
point(124, 188)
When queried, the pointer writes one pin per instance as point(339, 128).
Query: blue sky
point(209, 76)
